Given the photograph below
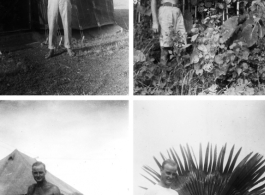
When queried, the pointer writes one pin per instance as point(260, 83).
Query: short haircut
point(168, 161)
point(37, 163)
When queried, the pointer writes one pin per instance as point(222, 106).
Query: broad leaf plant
point(223, 58)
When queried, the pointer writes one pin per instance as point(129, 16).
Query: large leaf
point(228, 28)
point(250, 34)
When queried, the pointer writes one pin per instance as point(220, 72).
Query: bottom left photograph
point(64, 147)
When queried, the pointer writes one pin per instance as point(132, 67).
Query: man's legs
point(65, 8)
point(164, 55)
point(166, 32)
point(53, 10)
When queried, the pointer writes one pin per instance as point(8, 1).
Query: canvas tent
point(27, 14)
point(15, 176)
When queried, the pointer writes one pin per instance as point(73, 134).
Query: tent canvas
point(15, 176)
point(85, 13)
point(17, 15)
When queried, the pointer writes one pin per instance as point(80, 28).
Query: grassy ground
point(100, 68)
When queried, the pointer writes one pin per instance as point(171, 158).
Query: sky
point(84, 143)
point(160, 125)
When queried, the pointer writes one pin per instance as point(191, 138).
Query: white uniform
point(65, 9)
point(159, 190)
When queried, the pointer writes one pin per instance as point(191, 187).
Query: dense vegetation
point(222, 58)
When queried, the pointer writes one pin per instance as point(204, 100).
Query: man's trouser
point(171, 21)
point(65, 9)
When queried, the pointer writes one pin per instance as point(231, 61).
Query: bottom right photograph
point(199, 147)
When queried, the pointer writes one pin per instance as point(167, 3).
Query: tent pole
point(30, 19)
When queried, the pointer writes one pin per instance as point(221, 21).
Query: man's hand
point(155, 27)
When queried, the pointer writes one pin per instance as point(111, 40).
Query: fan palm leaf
point(212, 175)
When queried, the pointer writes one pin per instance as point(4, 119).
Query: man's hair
point(39, 163)
point(168, 161)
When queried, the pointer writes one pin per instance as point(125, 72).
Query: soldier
point(170, 20)
point(42, 187)
point(168, 173)
point(65, 9)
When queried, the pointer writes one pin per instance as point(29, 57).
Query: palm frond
point(211, 175)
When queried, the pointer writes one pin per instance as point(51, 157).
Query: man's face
point(168, 174)
point(38, 173)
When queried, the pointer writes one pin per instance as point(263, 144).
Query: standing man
point(65, 9)
point(168, 174)
point(170, 20)
point(42, 187)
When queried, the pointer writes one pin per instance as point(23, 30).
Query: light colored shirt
point(159, 190)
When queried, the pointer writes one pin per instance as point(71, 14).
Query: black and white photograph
point(199, 147)
point(199, 47)
point(64, 47)
point(64, 148)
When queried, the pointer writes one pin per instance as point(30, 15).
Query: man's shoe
point(49, 54)
point(70, 52)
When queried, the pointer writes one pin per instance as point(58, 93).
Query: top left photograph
point(64, 47)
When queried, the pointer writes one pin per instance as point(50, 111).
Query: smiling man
point(168, 173)
point(42, 187)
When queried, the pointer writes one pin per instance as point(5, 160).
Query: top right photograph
point(199, 47)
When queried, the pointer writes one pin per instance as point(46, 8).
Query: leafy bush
point(223, 58)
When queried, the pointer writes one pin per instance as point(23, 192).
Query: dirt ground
point(101, 67)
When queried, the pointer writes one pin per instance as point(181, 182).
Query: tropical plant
point(223, 59)
point(214, 176)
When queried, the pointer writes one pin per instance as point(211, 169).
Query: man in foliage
point(171, 21)
point(65, 9)
point(42, 187)
point(168, 173)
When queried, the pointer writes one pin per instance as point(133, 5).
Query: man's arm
point(154, 16)
point(56, 191)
